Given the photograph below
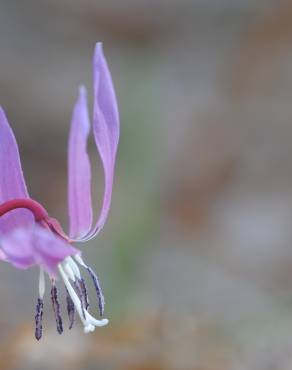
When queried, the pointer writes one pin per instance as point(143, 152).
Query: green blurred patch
point(136, 195)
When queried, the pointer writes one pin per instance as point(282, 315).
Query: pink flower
point(29, 236)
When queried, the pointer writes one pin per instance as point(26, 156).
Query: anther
point(70, 309)
point(56, 308)
point(80, 296)
point(84, 292)
point(96, 283)
point(39, 319)
point(98, 289)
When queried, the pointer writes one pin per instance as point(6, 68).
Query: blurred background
point(196, 257)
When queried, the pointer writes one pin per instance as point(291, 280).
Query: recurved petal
point(12, 184)
point(106, 128)
point(27, 247)
point(79, 173)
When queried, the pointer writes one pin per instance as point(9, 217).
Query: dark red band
point(38, 210)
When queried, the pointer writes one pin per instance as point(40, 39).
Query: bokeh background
point(196, 257)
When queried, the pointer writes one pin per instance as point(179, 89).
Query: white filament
point(73, 266)
point(89, 321)
point(42, 284)
point(80, 260)
point(69, 270)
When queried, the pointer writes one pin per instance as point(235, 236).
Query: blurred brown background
point(196, 257)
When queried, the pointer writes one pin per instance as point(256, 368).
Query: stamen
point(42, 284)
point(39, 319)
point(80, 260)
point(72, 294)
point(72, 270)
point(96, 283)
point(73, 266)
point(89, 322)
point(70, 309)
point(84, 292)
point(56, 308)
point(80, 296)
point(69, 271)
point(98, 289)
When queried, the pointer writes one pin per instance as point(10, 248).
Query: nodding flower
point(30, 237)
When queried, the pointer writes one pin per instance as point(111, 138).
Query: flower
point(29, 236)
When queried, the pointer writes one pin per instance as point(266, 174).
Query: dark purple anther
point(56, 307)
point(70, 310)
point(84, 293)
point(80, 296)
point(39, 319)
point(98, 290)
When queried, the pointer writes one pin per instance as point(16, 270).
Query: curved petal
point(79, 174)
point(106, 129)
point(106, 125)
point(12, 184)
point(24, 248)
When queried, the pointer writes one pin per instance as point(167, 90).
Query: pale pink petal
point(79, 174)
point(12, 184)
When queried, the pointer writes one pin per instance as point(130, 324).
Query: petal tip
point(98, 51)
point(82, 91)
point(98, 46)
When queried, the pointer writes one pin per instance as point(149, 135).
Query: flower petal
point(106, 126)
point(106, 129)
point(18, 248)
point(79, 174)
point(12, 184)
point(2, 256)
point(32, 246)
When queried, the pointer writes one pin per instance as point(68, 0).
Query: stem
point(38, 210)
